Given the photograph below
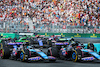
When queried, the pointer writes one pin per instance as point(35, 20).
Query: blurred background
point(60, 16)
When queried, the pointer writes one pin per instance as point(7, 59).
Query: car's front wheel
point(76, 55)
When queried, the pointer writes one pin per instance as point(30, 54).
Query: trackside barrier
point(9, 35)
point(69, 35)
point(75, 35)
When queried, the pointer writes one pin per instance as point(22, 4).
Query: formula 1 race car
point(56, 46)
point(6, 48)
point(29, 53)
point(73, 51)
point(81, 54)
point(39, 42)
point(76, 52)
point(23, 39)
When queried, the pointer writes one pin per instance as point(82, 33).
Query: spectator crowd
point(61, 13)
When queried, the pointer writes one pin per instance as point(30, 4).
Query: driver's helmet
point(90, 44)
point(73, 43)
point(72, 39)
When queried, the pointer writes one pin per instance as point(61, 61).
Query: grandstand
point(65, 16)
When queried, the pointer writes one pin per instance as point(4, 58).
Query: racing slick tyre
point(76, 55)
point(5, 53)
point(48, 53)
point(61, 56)
point(53, 52)
point(24, 56)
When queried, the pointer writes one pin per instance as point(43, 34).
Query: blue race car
point(39, 42)
point(55, 49)
point(79, 53)
point(72, 50)
point(7, 47)
point(29, 53)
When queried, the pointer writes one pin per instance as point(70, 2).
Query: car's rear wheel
point(5, 53)
point(53, 52)
point(2, 53)
point(48, 53)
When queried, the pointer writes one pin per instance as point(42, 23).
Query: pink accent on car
point(1, 53)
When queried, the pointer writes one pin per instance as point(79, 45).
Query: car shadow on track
point(44, 62)
point(88, 62)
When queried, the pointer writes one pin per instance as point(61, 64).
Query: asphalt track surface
point(86, 40)
point(58, 63)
